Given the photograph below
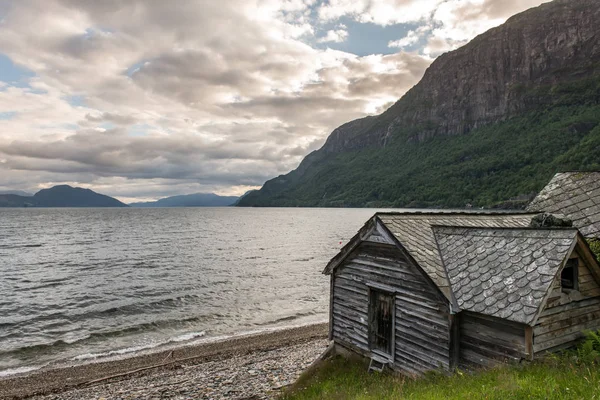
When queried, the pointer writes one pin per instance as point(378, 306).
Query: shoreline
point(58, 380)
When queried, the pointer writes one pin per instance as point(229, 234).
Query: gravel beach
point(248, 367)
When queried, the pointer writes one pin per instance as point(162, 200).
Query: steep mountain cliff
point(489, 122)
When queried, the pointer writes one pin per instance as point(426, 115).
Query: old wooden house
point(420, 291)
point(575, 195)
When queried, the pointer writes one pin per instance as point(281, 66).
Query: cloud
point(111, 117)
point(412, 37)
point(444, 24)
point(380, 12)
point(337, 36)
point(140, 97)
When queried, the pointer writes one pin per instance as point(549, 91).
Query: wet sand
point(248, 367)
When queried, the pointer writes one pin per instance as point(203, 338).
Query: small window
point(381, 321)
point(568, 276)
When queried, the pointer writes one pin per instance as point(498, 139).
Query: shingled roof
point(575, 195)
point(504, 273)
point(414, 231)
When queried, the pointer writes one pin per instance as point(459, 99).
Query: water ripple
point(100, 281)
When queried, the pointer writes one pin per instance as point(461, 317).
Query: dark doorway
point(381, 321)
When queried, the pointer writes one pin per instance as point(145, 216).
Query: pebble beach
point(248, 367)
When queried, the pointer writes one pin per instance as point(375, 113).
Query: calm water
point(84, 284)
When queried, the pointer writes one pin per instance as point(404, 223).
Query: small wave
point(190, 339)
point(61, 344)
point(20, 246)
point(135, 349)
point(134, 308)
point(252, 332)
point(120, 352)
point(16, 371)
point(43, 286)
point(289, 318)
point(188, 336)
point(36, 348)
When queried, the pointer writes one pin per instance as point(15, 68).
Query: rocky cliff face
point(485, 81)
point(542, 66)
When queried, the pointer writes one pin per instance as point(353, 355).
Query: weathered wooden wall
point(485, 341)
point(567, 315)
point(422, 316)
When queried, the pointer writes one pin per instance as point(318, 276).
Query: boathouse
point(418, 291)
point(575, 195)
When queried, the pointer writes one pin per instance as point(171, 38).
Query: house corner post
point(331, 278)
point(454, 340)
point(529, 342)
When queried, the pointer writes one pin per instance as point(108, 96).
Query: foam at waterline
point(17, 371)
point(138, 349)
point(181, 341)
point(185, 340)
point(243, 334)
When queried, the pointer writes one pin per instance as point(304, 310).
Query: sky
point(142, 99)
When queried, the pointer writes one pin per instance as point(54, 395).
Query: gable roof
point(414, 231)
point(575, 195)
point(505, 273)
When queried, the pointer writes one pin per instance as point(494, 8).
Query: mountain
point(237, 202)
point(191, 200)
point(61, 196)
point(16, 192)
point(13, 200)
point(489, 122)
point(67, 196)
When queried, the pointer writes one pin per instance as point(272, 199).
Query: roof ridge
point(458, 212)
point(512, 228)
point(578, 172)
point(452, 298)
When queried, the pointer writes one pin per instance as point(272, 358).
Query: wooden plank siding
point(567, 314)
point(486, 341)
point(422, 331)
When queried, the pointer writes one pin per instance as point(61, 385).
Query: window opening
point(568, 276)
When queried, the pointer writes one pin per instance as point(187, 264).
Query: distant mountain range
point(17, 192)
point(60, 196)
point(191, 200)
point(68, 196)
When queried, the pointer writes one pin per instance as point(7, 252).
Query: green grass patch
point(566, 376)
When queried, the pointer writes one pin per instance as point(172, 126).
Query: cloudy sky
point(141, 99)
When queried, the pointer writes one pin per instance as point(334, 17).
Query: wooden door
point(381, 321)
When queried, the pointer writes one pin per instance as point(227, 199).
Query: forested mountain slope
point(489, 122)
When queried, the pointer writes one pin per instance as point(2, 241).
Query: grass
point(563, 376)
point(595, 246)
